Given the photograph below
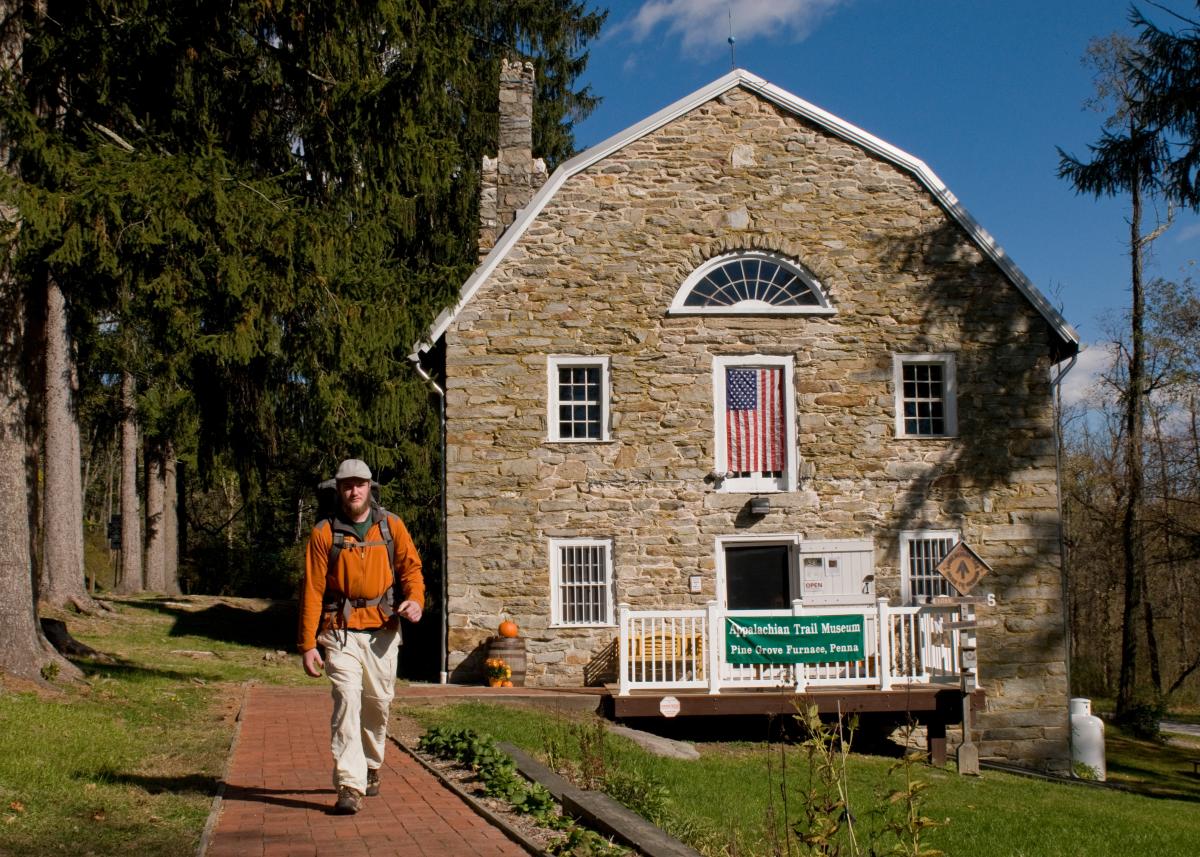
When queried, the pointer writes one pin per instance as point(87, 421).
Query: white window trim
point(678, 306)
point(553, 363)
point(906, 536)
point(555, 573)
point(950, 388)
point(754, 484)
point(792, 540)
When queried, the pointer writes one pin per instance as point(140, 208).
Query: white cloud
point(1082, 380)
point(703, 25)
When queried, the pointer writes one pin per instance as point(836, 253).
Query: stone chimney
point(509, 180)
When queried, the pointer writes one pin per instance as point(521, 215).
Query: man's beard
point(354, 511)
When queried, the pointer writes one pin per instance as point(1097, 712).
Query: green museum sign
point(794, 639)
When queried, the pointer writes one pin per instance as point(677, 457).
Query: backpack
point(328, 505)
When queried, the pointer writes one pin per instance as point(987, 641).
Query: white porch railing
point(680, 649)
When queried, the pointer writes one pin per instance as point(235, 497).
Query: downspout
point(1056, 383)
point(444, 674)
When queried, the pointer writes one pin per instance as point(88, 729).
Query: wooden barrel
point(511, 650)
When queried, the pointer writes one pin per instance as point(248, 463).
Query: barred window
point(581, 582)
point(578, 398)
point(920, 553)
point(925, 395)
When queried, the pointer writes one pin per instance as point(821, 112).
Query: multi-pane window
point(750, 281)
point(920, 553)
point(581, 582)
point(578, 398)
point(754, 416)
point(925, 395)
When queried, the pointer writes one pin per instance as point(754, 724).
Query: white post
point(798, 670)
point(714, 644)
point(884, 622)
point(623, 665)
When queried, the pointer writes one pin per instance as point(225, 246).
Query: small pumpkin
point(508, 628)
point(506, 683)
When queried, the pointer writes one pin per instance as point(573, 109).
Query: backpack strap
point(338, 600)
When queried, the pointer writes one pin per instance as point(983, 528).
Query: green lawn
point(727, 796)
point(127, 762)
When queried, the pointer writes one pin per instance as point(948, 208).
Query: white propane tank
point(1087, 739)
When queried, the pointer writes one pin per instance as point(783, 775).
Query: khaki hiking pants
point(362, 667)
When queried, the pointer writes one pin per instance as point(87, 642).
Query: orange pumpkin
point(508, 628)
point(506, 683)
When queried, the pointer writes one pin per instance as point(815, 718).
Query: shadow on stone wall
point(1004, 408)
point(602, 668)
point(470, 670)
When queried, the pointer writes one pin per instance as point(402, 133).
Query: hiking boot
point(372, 782)
point(349, 801)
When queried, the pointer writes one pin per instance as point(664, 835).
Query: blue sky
point(980, 90)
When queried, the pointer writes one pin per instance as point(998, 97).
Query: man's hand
point(313, 663)
point(410, 610)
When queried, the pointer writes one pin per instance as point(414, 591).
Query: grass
point(724, 799)
point(127, 762)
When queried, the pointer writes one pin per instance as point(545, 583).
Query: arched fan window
point(750, 282)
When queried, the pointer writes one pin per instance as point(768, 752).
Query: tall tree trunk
point(131, 523)
point(1151, 639)
point(1131, 536)
point(170, 520)
point(24, 652)
point(156, 579)
point(62, 509)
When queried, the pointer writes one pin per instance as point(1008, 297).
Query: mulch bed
point(408, 732)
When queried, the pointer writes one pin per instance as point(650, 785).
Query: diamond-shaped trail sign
point(963, 568)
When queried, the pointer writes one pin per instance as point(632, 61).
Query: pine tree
point(1165, 70)
point(1150, 146)
point(286, 195)
point(23, 650)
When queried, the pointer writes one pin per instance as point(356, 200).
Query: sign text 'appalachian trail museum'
point(794, 639)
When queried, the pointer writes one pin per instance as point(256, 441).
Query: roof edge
point(1069, 338)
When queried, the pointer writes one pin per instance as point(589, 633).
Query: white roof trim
point(839, 127)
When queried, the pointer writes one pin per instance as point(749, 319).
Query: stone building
point(737, 341)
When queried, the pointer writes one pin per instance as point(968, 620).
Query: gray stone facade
point(594, 275)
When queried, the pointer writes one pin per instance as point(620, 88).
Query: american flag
point(754, 419)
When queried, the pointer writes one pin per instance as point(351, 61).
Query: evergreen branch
point(1137, 16)
point(255, 190)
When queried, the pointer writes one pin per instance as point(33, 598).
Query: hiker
point(362, 571)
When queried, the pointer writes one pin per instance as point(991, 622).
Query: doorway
point(758, 576)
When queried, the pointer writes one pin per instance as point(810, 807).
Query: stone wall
point(594, 275)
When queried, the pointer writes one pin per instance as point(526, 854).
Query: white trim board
point(798, 106)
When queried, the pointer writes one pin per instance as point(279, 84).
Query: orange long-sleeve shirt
point(360, 572)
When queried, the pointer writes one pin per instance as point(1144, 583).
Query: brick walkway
point(278, 794)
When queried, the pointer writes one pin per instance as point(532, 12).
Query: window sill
point(561, 626)
point(580, 440)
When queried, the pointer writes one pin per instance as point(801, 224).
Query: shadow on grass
point(93, 669)
point(183, 784)
point(271, 628)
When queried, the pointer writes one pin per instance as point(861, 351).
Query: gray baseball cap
point(353, 468)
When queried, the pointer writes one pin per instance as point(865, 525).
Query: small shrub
point(1144, 718)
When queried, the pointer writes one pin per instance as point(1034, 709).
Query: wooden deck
point(930, 705)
